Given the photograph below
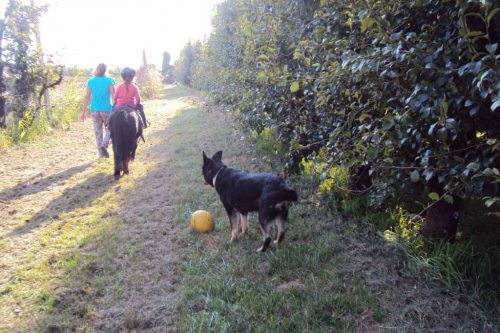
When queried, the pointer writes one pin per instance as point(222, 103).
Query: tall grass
point(468, 267)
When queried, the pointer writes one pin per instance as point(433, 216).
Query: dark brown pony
point(126, 129)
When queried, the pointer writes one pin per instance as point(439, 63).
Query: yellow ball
point(202, 221)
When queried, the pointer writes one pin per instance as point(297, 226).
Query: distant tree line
point(184, 66)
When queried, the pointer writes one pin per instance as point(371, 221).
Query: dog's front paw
point(234, 239)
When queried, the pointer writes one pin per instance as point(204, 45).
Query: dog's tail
point(286, 194)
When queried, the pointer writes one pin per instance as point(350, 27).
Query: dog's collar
point(213, 181)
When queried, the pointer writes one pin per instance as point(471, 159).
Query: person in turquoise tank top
point(99, 91)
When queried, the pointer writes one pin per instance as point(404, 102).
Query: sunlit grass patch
point(51, 263)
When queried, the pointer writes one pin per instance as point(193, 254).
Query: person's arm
point(112, 91)
point(86, 102)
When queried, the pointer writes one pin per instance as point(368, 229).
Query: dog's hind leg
point(244, 223)
point(264, 227)
point(280, 221)
point(280, 224)
point(233, 219)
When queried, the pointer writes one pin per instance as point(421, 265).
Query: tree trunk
point(48, 107)
point(441, 218)
point(3, 88)
point(360, 180)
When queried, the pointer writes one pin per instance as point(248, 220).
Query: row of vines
point(402, 96)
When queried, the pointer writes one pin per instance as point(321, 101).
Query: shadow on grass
point(80, 196)
point(34, 185)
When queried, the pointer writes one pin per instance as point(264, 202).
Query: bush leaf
point(415, 176)
point(434, 196)
point(448, 198)
point(473, 166)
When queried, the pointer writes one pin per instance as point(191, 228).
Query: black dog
point(242, 192)
point(126, 129)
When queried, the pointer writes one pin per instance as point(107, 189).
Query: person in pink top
point(127, 94)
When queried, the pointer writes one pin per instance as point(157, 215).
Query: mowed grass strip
point(229, 287)
point(74, 258)
point(55, 255)
point(108, 250)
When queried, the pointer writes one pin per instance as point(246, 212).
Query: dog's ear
point(217, 156)
point(205, 158)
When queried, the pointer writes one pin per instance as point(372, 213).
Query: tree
point(3, 88)
point(148, 79)
point(21, 53)
point(182, 69)
point(166, 69)
point(144, 60)
point(184, 66)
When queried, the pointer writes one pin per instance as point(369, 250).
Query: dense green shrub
point(67, 100)
point(409, 89)
point(401, 97)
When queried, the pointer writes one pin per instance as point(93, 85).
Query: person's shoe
point(104, 152)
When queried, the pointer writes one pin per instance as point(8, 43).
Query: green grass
point(56, 259)
point(309, 283)
point(72, 258)
point(467, 268)
point(229, 287)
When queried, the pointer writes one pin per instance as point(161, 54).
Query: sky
point(85, 33)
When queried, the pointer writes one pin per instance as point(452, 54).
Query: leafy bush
point(5, 140)
point(149, 82)
point(65, 107)
point(67, 101)
point(402, 97)
point(408, 89)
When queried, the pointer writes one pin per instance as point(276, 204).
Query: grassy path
point(82, 252)
point(79, 250)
